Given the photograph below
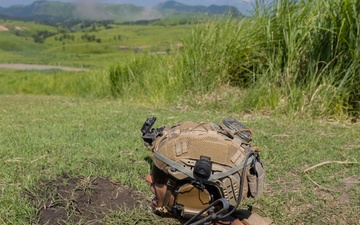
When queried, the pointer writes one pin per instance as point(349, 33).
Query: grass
point(54, 122)
point(18, 45)
point(45, 136)
point(301, 55)
point(88, 84)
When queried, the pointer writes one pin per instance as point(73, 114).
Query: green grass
point(45, 136)
point(19, 47)
point(293, 58)
point(247, 69)
point(87, 84)
point(12, 43)
point(27, 25)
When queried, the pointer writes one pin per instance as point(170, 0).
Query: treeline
point(80, 24)
point(164, 22)
point(67, 26)
point(65, 37)
point(41, 35)
point(90, 38)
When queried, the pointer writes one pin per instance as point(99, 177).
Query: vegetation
point(45, 136)
point(171, 7)
point(302, 56)
point(94, 45)
point(58, 13)
point(288, 72)
point(55, 82)
point(304, 59)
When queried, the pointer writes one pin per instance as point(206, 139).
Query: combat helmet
point(208, 167)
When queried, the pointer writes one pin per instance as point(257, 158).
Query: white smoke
point(94, 9)
point(91, 9)
point(148, 14)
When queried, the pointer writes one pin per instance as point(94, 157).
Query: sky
point(146, 3)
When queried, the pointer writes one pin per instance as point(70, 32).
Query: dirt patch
point(3, 28)
point(7, 28)
point(84, 199)
point(38, 67)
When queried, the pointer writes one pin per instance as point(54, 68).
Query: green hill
point(50, 12)
point(40, 8)
point(210, 10)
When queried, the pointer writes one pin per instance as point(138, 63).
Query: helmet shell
point(185, 143)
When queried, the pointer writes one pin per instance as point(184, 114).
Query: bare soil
point(38, 67)
point(83, 199)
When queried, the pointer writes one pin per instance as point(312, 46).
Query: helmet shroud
point(178, 149)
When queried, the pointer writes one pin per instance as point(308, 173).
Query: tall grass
point(291, 57)
point(145, 79)
point(312, 54)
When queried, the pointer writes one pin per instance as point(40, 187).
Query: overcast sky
point(7, 3)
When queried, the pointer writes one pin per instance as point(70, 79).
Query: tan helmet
point(204, 162)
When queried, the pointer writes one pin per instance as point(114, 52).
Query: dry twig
point(321, 164)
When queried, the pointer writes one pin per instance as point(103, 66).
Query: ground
point(37, 67)
point(84, 199)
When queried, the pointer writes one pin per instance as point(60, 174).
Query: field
point(96, 47)
point(48, 140)
point(70, 142)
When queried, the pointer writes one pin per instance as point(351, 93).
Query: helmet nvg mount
point(207, 167)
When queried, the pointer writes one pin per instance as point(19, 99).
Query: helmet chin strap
point(223, 212)
point(213, 215)
point(164, 209)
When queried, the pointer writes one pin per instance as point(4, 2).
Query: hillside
point(42, 11)
point(210, 10)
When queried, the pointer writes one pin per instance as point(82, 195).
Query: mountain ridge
point(109, 11)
